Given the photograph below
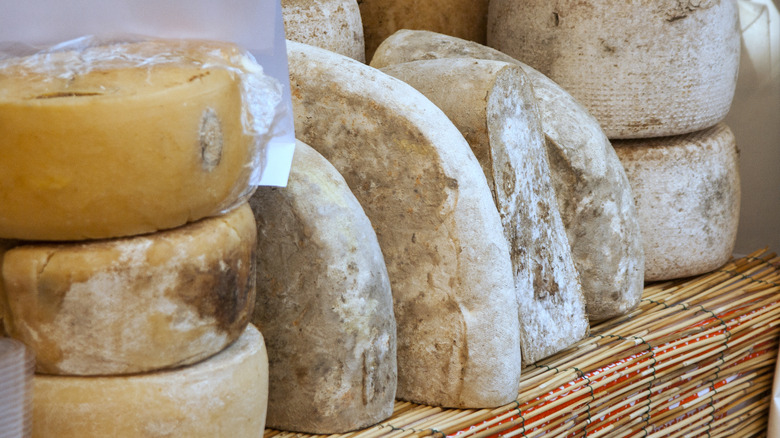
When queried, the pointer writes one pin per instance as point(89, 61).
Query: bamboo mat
point(695, 358)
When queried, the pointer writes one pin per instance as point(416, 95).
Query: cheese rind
point(333, 25)
point(687, 191)
point(133, 304)
point(429, 203)
point(223, 396)
point(594, 195)
point(641, 68)
point(324, 303)
point(493, 105)
point(95, 147)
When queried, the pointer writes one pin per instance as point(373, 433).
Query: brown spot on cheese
point(67, 94)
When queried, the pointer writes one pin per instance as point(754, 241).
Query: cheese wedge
point(224, 396)
point(134, 304)
point(429, 203)
point(687, 191)
point(127, 139)
point(594, 195)
point(493, 105)
point(324, 303)
point(333, 25)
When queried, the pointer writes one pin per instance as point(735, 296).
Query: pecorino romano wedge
point(430, 205)
point(323, 303)
point(493, 105)
point(594, 195)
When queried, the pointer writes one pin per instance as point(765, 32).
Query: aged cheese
point(493, 105)
point(324, 303)
point(641, 68)
point(461, 18)
point(687, 191)
point(431, 208)
point(594, 195)
point(333, 25)
point(133, 304)
point(5, 245)
point(97, 147)
point(224, 396)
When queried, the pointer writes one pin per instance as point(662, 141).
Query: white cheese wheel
point(333, 25)
point(643, 68)
point(493, 105)
point(97, 147)
point(461, 18)
point(594, 195)
point(429, 203)
point(323, 302)
point(224, 396)
point(133, 304)
point(687, 191)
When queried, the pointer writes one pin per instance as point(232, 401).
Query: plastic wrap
point(108, 138)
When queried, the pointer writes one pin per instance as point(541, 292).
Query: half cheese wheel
point(641, 68)
point(134, 304)
point(224, 396)
point(687, 191)
point(333, 25)
point(121, 140)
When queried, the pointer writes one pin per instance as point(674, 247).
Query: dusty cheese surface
point(333, 25)
point(134, 304)
point(95, 146)
point(687, 191)
point(223, 396)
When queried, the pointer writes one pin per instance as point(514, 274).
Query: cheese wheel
point(134, 304)
point(333, 25)
point(121, 140)
point(323, 302)
point(493, 105)
point(687, 191)
point(594, 195)
point(641, 68)
point(461, 18)
point(5, 245)
point(224, 396)
point(429, 203)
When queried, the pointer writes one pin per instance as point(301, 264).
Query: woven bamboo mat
point(696, 358)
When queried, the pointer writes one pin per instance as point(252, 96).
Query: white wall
point(755, 120)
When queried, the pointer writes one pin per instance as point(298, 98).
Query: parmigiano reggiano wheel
point(134, 304)
point(333, 25)
point(127, 139)
point(224, 396)
point(594, 195)
point(643, 68)
point(324, 303)
point(493, 105)
point(687, 191)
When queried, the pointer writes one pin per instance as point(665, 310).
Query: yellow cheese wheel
point(133, 304)
point(121, 140)
point(224, 396)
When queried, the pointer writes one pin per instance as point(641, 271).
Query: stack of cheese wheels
point(645, 70)
point(131, 274)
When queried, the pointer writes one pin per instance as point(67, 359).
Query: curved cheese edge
point(314, 237)
point(334, 25)
point(687, 191)
point(223, 396)
point(101, 148)
point(134, 304)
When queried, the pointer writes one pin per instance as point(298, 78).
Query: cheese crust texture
point(94, 146)
point(224, 396)
point(333, 25)
point(133, 304)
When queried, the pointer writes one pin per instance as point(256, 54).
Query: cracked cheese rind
point(134, 304)
point(323, 302)
point(126, 139)
point(223, 396)
point(492, 103)
point(429, 203)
